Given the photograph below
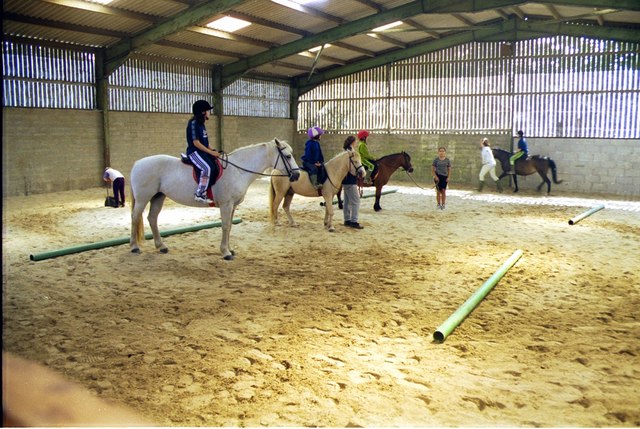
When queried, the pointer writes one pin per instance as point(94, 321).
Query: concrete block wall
point(594, 166)
point(586, 166)
point(49, 150)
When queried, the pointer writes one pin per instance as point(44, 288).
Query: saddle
point(363, 184)
point(196, 175)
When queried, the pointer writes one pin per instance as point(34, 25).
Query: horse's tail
point(554, 171)
point(140, 228)
point(272, 196)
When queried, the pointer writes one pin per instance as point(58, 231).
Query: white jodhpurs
point(488, 168)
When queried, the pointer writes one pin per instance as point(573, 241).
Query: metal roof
point(277, 43)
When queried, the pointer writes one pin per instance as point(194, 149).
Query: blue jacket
point(522, 145)
point(312, 152)
point(196, 131)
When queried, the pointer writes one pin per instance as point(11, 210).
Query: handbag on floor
point(110, 201)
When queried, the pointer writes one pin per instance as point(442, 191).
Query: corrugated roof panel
point(370, 43)
point(202, 40)
point(80, 17)
point(287, 16)
point(270, 34)
point(189, 55)
point(274, 25)
point(56, 35)
point(347, 9)
point(437, 21)
point(164, 8)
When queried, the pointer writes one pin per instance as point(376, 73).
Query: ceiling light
point(388, 26)
point(99, 1)
point(228, 24)
point(317, 48)
point(294, 4)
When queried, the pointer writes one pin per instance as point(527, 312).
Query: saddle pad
point(211, 183)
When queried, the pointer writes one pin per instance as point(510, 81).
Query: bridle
point(356, 168)
point(224, 160)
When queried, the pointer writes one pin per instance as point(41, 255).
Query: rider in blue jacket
point(313, 159)
point(522, 152)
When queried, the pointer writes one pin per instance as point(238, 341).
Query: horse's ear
point(275, 139)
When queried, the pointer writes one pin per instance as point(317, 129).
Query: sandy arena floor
point(311, 328)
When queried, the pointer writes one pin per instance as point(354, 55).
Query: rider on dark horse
point(367, 159)
point(522, 152)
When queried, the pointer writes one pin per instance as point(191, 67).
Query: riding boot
point(314, 181)
point(480, 186)
point(498, 185)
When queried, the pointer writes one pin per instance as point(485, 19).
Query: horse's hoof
point(228, 258)
point(332, 229)
point(136, 250)
point(377, 209)
point(164, 250)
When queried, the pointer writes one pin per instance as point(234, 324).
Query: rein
point(352, 163)
point(414, 181)
point(224, 160)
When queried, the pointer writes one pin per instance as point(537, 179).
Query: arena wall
point(49, 150)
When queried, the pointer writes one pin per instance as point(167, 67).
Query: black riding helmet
point(199, 107)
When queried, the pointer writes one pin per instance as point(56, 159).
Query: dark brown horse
point(385, 167)
point(524, 167)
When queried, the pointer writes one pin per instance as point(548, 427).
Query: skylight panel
point(228, 24)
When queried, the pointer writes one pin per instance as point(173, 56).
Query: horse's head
point(356, 168)
point(285, 156)
point(502, 156)
point(407, 162)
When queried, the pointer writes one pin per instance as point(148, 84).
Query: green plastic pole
point(381, 193)
point(463, 311)
point(367, 196)
point(122, 240)
point(578, 218)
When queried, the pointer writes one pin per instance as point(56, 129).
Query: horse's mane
point(501, 150)
point(338, 155)
point(256, 145)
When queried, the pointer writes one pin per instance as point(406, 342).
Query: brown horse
point(524, 167)
point(385, 167)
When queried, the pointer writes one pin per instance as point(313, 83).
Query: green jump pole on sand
point(589, 212)
point(463, 311)
point(391, 191)
point(123, 240)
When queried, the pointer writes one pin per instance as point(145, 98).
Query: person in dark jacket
point(313, 159)
point(351, 205)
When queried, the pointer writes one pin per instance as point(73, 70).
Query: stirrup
point(202, 198)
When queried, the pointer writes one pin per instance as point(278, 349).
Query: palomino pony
point(387, 165)
point(524, 167)
point(159, 176)
point(336, 170)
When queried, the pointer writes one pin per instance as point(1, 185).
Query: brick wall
point(48, 150)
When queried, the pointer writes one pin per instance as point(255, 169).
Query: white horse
point(159, 176)
point(336, 169)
